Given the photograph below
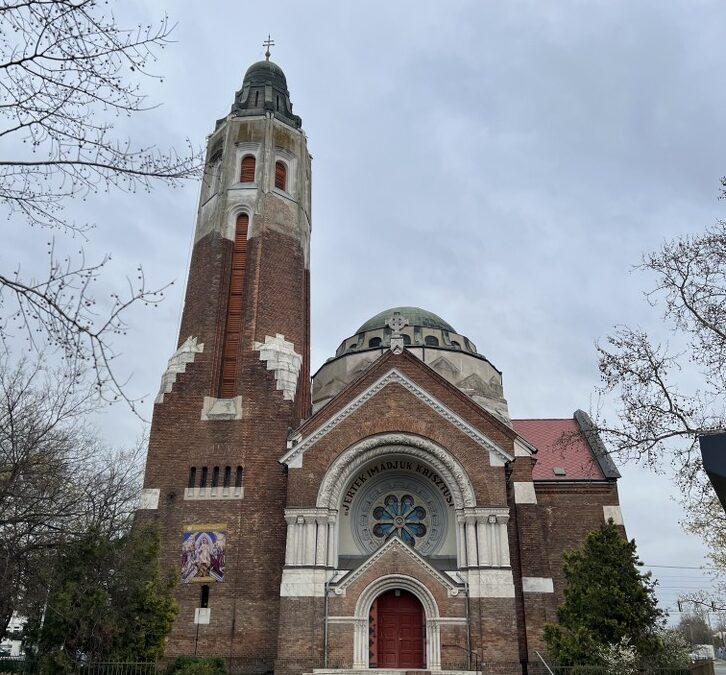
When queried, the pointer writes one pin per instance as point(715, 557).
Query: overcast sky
point(502, 164)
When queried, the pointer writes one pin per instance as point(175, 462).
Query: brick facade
point(302, 564)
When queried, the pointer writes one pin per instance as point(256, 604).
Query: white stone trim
point(363, 608)
point(241, 150)
point(614, 512)
point(290, 162)
point(302, 582)
point(353, 458)
point(221, 408)
point(490, 583)
point(149, 499)
point(183, 356)
point(281, 357)
point(309, 542)
point(522, 447)
point(524, 492)
point(482, 537)
point(293, 457)
point(202, 615)
point(537, 585)
point(451, 589)
point(234, 209)
point(218, 492)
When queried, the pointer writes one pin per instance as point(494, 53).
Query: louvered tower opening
point(233, 324)
point(247, 169)
point(280, 176)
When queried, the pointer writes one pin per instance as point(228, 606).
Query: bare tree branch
point(67, 71)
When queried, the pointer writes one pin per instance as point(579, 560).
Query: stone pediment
point(401, 555)
point(300, 444)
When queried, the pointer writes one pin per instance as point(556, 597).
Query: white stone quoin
point(281, 357)
point(183, 356)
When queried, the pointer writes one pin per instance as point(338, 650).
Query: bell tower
point(238, 381)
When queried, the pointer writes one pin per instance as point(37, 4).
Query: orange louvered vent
point(233, 324)
point(247, 169)
point(280, 176)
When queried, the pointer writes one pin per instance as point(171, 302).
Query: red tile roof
point(560, 445)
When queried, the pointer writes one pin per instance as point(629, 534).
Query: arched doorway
point(397, 630)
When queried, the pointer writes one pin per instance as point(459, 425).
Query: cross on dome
point(268, 43)
point(396, 323)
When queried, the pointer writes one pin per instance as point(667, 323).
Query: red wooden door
point(400, 634)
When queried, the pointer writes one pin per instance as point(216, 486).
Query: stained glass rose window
point(399, 518)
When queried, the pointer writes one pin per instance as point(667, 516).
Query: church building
point(384, 513)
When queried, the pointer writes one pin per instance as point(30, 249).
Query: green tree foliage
point(108, 599)
point(607, 600)
point(188, 665)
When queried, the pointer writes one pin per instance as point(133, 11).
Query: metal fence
point(28, 666)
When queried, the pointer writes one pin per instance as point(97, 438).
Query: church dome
point(414, 315)
point(265, 71)
point(264, 91)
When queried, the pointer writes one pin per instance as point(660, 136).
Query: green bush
point(189, 665)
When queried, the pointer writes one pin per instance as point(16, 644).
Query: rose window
point(399, 518)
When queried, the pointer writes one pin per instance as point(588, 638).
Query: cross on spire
point(268, 43)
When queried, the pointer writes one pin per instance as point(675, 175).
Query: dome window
point(431, 341)
point(374, 342)
point(455, 344)
point(280, 176)
point(247, 169)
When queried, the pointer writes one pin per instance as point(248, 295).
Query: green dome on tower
point(414, 315)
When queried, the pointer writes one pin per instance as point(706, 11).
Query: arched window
point(215, 476)
point(431, 341)
point(455, 344)
point(238, 477)
point(374, 342)
point(204, 597)
point(257, 98)
point(233, 326)
point(227, 476)
point(192, 476)
point(247, 169)
point(203, 479)
point(406, 339)
point(280, 176)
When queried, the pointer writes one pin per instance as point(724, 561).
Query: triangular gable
point(395, 545)
point(294, 456)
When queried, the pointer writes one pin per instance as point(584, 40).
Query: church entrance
point(399, 628)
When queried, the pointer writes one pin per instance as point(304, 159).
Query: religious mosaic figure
point(202, 556)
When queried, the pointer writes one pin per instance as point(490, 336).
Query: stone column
point(332, 540)
point(460, 539)
point(472, 558)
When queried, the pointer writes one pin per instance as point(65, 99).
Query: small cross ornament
point(396, 323)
